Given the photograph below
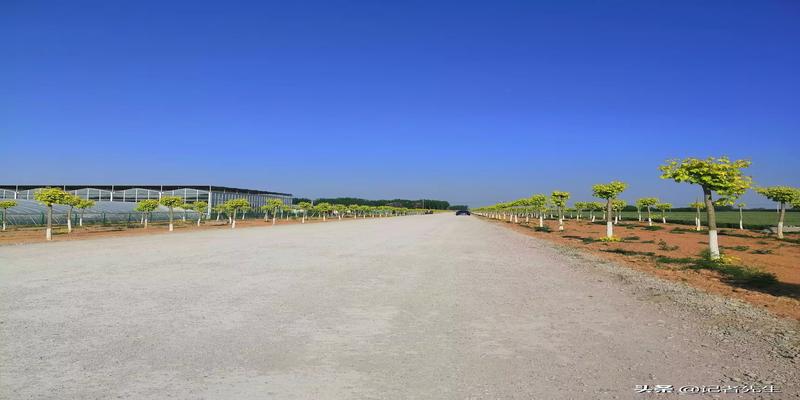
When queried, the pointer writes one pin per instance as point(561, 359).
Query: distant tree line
point(348, 201)
point(458, 207)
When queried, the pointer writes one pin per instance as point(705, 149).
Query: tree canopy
point(171, 201)
point(84, 204)
point(719, 175)
point(780, 194)
point(50, 196)
point(609, 190)
point(147, 205)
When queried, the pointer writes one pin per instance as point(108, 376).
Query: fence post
point(104, 218)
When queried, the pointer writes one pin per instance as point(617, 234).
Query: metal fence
point(40, 218)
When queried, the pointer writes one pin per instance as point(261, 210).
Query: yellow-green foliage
point(50, 196)
point(171, 201)
point(609, 190)
point(780, 194)
point(720, 175)
point(147, 205)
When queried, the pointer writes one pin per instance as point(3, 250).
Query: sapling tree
point(594, 206)
point(286, 210)
point(70, 201)
point(741, 206)
point(647, 203)
point(609, 192)
point(219, 209)
point(663, 207)
point(340, 209)
point(5, 205)
point(48, 197)
point(323, 209)
point(559, 200)
point(146, 207)
point(83, 205)
point(697, 205)
point(171, 202)
point(782, 195)
point(579, 207)
point(185, 207)
point(304, 206)
point(538, 203)
point(618, 205)
point(265, 209)
point(201, 207)
point(234, 206)
point(714, 175)
point(274, 205)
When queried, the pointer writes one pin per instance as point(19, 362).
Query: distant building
point(213, 195)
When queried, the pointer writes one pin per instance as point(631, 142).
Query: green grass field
point(725, 219)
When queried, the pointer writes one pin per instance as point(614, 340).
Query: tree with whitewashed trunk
point(618, 205)
point(304, 206)
point(697, 205)
point(647, 203)
point(323, 209)
point(171, 202)
point(579, 207)
point(663, 207)
point(5, 205)
point(538, 203)
point(594, 206)
point(741, 206)
point(609, 192)
point(48, 197)
point(266, 208)
point(70, 201)
point(782, 195)
point(219, 209)
point(146, 207)
point(234, 206)
point(559, 200)
point(202, 208)
point(185, 207)
point(286, 210)
point(83, 205)
point(274, 205)
point(340, 210)
point(638, 210)
point(714, 175)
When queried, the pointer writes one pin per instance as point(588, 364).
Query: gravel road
point(421, 307)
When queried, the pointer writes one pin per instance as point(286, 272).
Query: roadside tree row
point(720, 180)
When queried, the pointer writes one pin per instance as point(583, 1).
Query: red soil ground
point(36, 234)
point(781, 298)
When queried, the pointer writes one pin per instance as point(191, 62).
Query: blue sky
point(472, 102)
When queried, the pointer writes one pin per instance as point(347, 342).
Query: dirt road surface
point(420, 307)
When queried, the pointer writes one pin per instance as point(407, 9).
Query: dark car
point(463, 212)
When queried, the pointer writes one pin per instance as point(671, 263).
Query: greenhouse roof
point(151, 187)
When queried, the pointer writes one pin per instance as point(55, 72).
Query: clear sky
point(471, 102)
